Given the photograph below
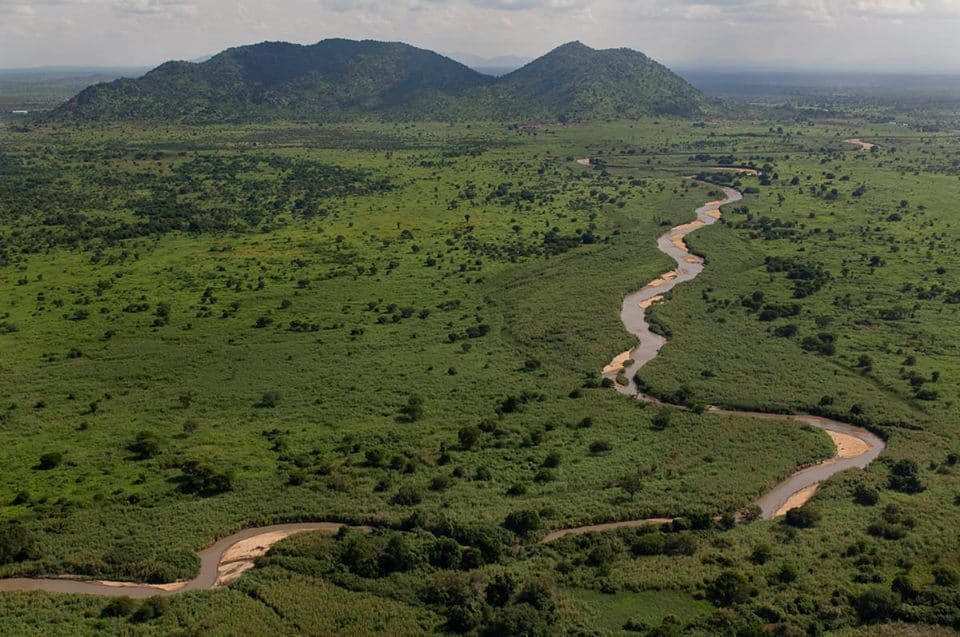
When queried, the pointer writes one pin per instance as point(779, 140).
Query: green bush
point(145, 446)
point(802, 518)
point(876, 605)
point(728, 589)
point(119, 607)
point(523, 522)
point(16, 542)
point(50, 461)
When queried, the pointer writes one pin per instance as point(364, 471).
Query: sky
point(862, 35)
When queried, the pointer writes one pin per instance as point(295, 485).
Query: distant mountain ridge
point(341, 79)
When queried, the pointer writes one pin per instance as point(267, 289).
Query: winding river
point(225, 560)
point(856, 447)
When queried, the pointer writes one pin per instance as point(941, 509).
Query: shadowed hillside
point(345, 79)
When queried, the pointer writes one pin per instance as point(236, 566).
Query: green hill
point(344, 79)
point(579, 82)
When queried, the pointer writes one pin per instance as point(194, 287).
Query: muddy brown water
point(689, 266)
point(633, 314)
point(210, 563)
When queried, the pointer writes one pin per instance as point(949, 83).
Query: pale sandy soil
point(666, 276)
point(617, 363)
point(797, 500)
point(685, 228)
point(859, 142)
point(651, 301)
point(171, 587)
point(848, 446)
point(241, 556)
point(584, 162)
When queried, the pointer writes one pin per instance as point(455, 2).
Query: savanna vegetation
point(403, 325)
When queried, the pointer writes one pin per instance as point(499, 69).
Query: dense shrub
point(202, 479)
point(728, 589)
point(905, 477)
point(865, 496)
point(408, 495)
point(119, 607)
point(270, 399)
point(802, 517)
point(876, 605)
point(50, 460)
point(146, 445)
point(16, 542)
point(522, 522)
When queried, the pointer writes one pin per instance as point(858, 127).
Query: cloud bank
point(838, 34)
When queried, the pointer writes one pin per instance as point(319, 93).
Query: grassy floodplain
point(206, 328)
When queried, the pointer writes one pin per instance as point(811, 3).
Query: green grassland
point(206, 328)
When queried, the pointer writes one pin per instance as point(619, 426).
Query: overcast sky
point(839, 34)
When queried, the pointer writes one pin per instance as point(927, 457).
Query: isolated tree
point(50, 461)
point(729, 588)
point(661, 420)
point(145, 446)
point(270, 399)
point(469, 436)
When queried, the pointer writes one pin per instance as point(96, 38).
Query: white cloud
point(891, 7)
point(766, 32)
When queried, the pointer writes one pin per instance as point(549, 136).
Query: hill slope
point(579, 82)
point(333, 78)
point(345, 79)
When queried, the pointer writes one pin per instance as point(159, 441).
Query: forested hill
point(577, 81)
point(345, 79)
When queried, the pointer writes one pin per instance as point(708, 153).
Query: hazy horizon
point(477, 61)
point(890, 36)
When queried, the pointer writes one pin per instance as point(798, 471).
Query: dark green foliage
point(893, 524)
point(412, 411)
point(202, 479)
point(469, 436)
point(500, 589)
point(150, 609)
point(728, 589)
point(119, 607)
point(269, 399)
point(518, 619)
point(875, 605)
point(657, 543)
point(865, 495)
point(523, 522)
point(761, 554)
point(946, 576)
point(662, 420)
point(445, 553)
point(905, 477)
point(399, 555)
point(342, 79)
point(145, 446)
point(50, 460)
point(408, 495)
point(16, 542)
point(600, 446)
point(802, 517)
